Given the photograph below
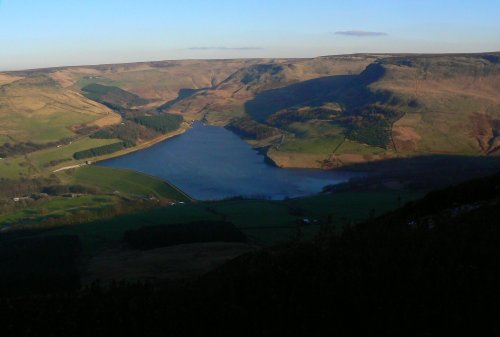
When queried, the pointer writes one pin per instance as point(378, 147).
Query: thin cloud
point(360, 33)
point(225, 48)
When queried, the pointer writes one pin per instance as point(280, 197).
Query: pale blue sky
point(37, 33)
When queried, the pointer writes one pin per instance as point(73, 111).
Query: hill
point(339, 110)
point(429, 268)
point(323, 112)
point(47, 132)
point(36, 109)
point(159, 81)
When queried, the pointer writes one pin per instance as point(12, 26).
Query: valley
point(249, 168)
point(329, 113)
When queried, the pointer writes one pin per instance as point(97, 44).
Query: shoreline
point(185, 126)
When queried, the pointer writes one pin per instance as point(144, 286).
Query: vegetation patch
point(102, 150)
point(125, 182)
point(304, 114)
point(163, 123)
point(113, 97)
point(371, 125)
point(37, 110)
point(326, 145)
point(249, 129)
point(60, 210)
point(128, 131)
point(13, 149)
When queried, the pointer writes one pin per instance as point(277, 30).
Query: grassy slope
point(112, 185)
point(429, 268)
point(58, 207)
point(38, 163)
point(450, 91)
point(126, 182)
point(38, 110)
point(159, 81)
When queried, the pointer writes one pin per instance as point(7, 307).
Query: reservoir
point(211, 163)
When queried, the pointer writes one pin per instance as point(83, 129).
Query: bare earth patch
point(111, 119)
point(486, 130)
point(296, 159)
point(405, 138)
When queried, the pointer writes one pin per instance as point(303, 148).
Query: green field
point(222, 118)
point(38, 110)
point(39, 162)
point(130, 183)
point(315, 129)
point(14, 168)
point(264, 222)
point(349, 147)
point(44, 157)
point(312, 145)
point(84, 80)
point(109, 188)
point(43, 129)
point(58, 207)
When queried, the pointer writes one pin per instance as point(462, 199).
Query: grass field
point(315, 129)
point(58, 207)
point(109, 188)
point(312, 145)
point(41, 158)
point(129, 183)
point(265, 222)
point(349, 147)
point(4, 139)
point(38, 163)
point(222, 118)
point(43, 129)
point(14, 168)
point(38, 110)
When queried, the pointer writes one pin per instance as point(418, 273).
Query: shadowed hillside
point(429, 268)
point(350, 91)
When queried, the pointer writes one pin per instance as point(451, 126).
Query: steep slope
point(225, 101)
point(427, 269)
point(454, 102)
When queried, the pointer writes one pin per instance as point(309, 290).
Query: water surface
point(209, 162)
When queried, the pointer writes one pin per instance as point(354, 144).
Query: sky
point(38, 33)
